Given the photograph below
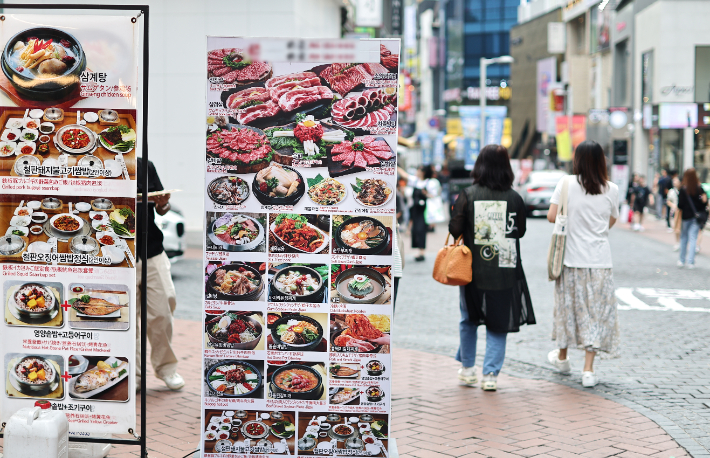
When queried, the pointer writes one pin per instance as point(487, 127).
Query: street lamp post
point(485, 63)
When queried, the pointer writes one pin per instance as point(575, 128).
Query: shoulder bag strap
point(562, 206)
point(692, 205)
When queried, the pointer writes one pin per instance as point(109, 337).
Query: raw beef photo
point(248, 97)
point(298, 97)
point(366, 109)
point(232, 66)
point(343, 78)
point(388, 60)
point(362, 152)
point(262, 110)
point(240, 146)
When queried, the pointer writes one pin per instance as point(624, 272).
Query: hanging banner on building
point(567, 140)
point(300, 174)
point(546, 76)
point(70, 137)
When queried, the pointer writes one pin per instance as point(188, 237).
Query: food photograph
point(340, 433)
point(228, 190)
point(236, 281)
point(298, 282)
point(228, 378)
point(292, 331)
point(344, 371)
point(231, 231)
point(98, 378)
point(32, 375)
point(100, 142)
point(293, 233)
point(358, 333)
point(99, 306)
point(235, 330)
point(69, 225)
point(358, 284)
point(362, 235)
point(301, 380)
point(33, 303)
point(250, 432)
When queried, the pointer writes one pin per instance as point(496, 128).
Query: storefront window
point(671, 149)
point(702, 155)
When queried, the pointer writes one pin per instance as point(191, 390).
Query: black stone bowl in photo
point(372, 250)
point(222, 343)
point(372, 274)
point(238, 362)
point(30, 84)
point(312, 394)
point(373, 364)
point(316, 296)
point(211, 285)
point(375, 397)
point(293, 199)
point(297, 347)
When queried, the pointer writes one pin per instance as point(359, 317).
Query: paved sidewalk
point(435, 418)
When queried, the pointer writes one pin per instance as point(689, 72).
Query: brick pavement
point(435, 418)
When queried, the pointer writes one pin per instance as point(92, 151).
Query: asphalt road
point(664, 368)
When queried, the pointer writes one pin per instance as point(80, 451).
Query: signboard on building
point(368, 13)
point(297, 310)
point(68, 215)
point(567, 140)
point(677, 115)
point(546, 76)
point(556, 37)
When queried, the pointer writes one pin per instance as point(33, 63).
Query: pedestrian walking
point(585, 311)
point(640, 197)
point(692, 203)
point(161, 300)
point(674, 212)
point(491, 217)
point(664, 185)
point(423, 186)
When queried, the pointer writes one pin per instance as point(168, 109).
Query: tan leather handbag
point(454, 264)
point(556, 252)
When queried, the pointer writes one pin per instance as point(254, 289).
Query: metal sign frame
point(144, 11)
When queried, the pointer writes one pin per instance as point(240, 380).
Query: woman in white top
point(424, 186)
point(585, 305)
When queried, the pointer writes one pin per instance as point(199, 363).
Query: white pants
point(161, 305)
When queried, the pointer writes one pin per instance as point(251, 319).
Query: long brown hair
point(590, 167)
point(691, 183)
point(492, 169)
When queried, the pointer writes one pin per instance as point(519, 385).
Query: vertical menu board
point(300, 168)
point(68, 146)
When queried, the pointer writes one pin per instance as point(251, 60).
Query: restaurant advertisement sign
point(68, 147)
point(300, 170)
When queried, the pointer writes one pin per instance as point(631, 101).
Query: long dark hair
point(427, 170)
point(492, 168)
point(691, 183)
point(590, 167)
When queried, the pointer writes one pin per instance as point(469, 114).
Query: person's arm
point(614, 194)
point(457, 224)
point(521, 217)
point(612, 221)
point(651, 199)
point(162, 204)
point(552, 213)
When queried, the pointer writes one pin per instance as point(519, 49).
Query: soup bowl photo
point(297, 381)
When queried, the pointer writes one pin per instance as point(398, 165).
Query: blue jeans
point(468, 332)
point(688, 237)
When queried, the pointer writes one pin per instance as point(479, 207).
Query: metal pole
point(482, 98)
point(144, 251)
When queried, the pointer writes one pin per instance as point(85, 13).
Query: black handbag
point(700, 216)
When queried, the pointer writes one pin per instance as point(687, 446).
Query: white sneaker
point(676, 247)
point(174, 381)
point(635, 227)
point(467, 376)
point(589, 379)
point(562, 365)
point(680, 263)
point(690, 266)
point(670, 230)
point(489, 382)
point(697, 249)
point(640, 228)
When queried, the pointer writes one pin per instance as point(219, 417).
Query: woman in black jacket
point(692, 201)
point(491, 217)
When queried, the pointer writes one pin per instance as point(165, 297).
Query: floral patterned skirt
point(585, 310)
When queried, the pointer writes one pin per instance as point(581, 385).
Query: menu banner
point(300, 171)
point(69, 138)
